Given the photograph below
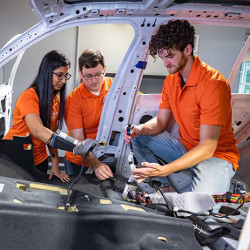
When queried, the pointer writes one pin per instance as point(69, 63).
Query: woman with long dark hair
point(39, 110)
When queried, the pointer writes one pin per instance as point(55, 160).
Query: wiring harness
point(232, 198)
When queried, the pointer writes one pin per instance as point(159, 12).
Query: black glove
point(83, 147)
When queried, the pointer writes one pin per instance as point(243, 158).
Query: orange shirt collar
point(194, 73)
point(86, 93)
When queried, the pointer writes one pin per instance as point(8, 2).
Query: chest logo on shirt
point(54, 115)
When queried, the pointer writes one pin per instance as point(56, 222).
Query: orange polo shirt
point(83, 110)
point(27, 103)
point(205, 99)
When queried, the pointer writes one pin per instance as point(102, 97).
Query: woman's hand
point(55, 166)
point(55, 171)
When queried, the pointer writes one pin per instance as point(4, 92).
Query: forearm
point(54, 157)
point(157, 124)
point(55, 170)
point(36, 127)
point(152, 127)
point(102, 171)
point(43, 134)
point(198, 154)
point(93, 161)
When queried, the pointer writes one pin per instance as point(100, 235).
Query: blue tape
point(141, 65)
point(53, 141)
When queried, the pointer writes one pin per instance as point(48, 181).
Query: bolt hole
point(132, 71)
point(238, 123)
point(120, 119)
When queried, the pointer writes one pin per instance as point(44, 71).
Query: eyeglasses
point(60, 76)
point(90, 77)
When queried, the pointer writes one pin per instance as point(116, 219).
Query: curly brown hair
point(176, 34)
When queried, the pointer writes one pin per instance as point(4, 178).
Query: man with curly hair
point(204, 158)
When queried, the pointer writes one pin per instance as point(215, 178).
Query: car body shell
point(123, 104)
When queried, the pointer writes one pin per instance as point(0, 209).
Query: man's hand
point(148, 170)
point(135, 131)
point(103, 172)
point(82, 147)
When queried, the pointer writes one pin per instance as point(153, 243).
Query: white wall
point(15, 18)
point(112, 40)
point(218, 47)
point(28, 68)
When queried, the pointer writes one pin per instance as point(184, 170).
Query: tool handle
point(128, 129)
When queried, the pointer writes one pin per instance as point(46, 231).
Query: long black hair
point(44, 88)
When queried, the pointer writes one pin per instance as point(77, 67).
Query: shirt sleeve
point(28, 103)
point(164, 104)
point(73, 112)
point(215, 103)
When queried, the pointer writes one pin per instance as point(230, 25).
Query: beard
point(172, 69)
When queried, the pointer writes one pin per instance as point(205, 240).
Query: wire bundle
point(232, 198)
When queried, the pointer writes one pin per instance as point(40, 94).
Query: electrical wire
point(232, 198)
point(236, 209)
point(69, 190)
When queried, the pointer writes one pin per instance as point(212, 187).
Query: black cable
point(236, 209)
point(67, 204)
point(164, 197)
point(130, 144)
point(213, 214)
point(156, 184)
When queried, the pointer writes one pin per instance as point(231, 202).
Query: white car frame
point(123, 104)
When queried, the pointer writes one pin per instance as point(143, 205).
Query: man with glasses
point(83, 111)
